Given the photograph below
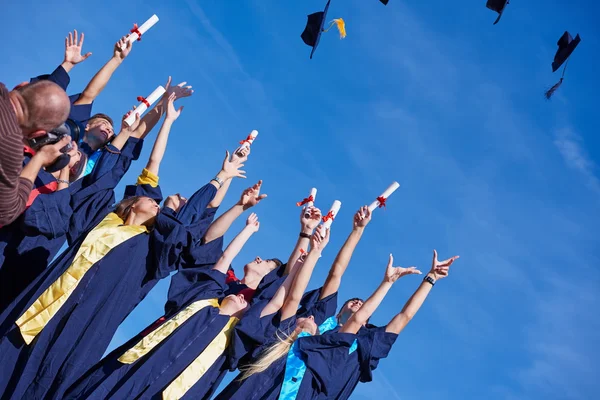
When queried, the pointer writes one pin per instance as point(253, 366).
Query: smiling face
point(234, 305)
point(98, 132)
point(348, 309)
point(307, 324)
point(261, 267)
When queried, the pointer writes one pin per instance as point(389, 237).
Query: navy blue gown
point(267, 384)
point(149, 375)
point(30, 243)
point(75, 338)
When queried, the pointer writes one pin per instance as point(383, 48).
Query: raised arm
point(439, 270)
point(250, 198)
point(240, 153)
point(160, 145)
point(99, 81)
point(278, 299)
point(342, 260)
point(392, 274)
point(318, 242)
point(155, 113)
point(73, 56)
point(309, 220)
point(252, 226)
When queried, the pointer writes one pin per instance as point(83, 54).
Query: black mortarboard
point(314, 27)
point(566, 46)
point(384, 2)
point(498, 6)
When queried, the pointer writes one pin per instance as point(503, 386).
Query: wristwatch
point(429, 279)
point(218, 180)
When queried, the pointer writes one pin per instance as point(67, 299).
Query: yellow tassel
point(341, 27)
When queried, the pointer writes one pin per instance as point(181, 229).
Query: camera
point(68, 128)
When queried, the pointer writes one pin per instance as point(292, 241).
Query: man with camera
point(25, 114)
point(91, 132)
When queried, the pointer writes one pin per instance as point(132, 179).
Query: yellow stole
point(107, 235)
point(154, 338)
point(193, 372)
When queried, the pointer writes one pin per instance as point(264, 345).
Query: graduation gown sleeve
point(48, 215)
point(373, 345)
point(167, 241)
point(58, 76)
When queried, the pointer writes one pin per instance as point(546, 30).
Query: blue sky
point(430, 94)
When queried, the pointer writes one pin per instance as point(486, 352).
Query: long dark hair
point(123, 208)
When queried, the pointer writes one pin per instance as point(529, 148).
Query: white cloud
point(572, 148)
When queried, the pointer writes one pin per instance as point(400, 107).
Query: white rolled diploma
point(250, 139)
point(158, 92)
point(313, 194)
point(391, 189)
point(335, 208)
point(144, 28)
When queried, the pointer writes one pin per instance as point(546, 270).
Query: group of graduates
point(58, 313)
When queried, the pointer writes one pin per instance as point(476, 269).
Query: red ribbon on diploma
point(136, 30)
point(329, 216)
point(247, 140)
point(143, 100)
point(305, 201)
point(381, 201)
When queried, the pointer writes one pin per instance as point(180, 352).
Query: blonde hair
point(270, 355)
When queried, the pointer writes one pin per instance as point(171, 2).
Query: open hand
point(231, 167)
point(440, 269)
point(172, 113)
point(251, 196)
point(73, 48)
point(392, 274)
point(252, 222)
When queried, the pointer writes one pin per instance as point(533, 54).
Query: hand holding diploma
point(146, 103)
point(250, 139)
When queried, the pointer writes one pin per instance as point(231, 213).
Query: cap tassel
point(553, 89)
point(340, 25)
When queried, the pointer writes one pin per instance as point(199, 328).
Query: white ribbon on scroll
point(250, 139)
point(333, 212)
point(136, 32)
point(145, 104)
point(381, 199)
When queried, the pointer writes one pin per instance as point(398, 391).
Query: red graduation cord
point(136, 30)
point(305, 201)
point(143, 100)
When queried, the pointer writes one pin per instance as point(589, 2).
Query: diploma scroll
point(137, 32)
point(250, 139)
point(333, 212)
point(145, 104)
point(380, 202)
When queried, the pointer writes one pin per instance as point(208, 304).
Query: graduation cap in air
point(314, 27)
point(566, 46)
point(384, 2)
point(498, 6)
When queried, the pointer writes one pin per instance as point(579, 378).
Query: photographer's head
point(98, 131)
point(40, 107)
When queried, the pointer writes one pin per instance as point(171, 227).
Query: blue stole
point(295, 366)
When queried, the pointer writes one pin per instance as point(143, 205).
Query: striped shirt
point(14, 190)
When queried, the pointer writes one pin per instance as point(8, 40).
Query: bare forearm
point(150, 120)
point(223, 223)
point(361, 317)
point(99, 81)
point(64, 179)
point(410, 309)
point(32, 169)
point(301, 244)
point(299, 285)
point(160, 145)
point(277, 301)
point(221, 192)
point(341, 262)
point(233, 250)
point(67, 66)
